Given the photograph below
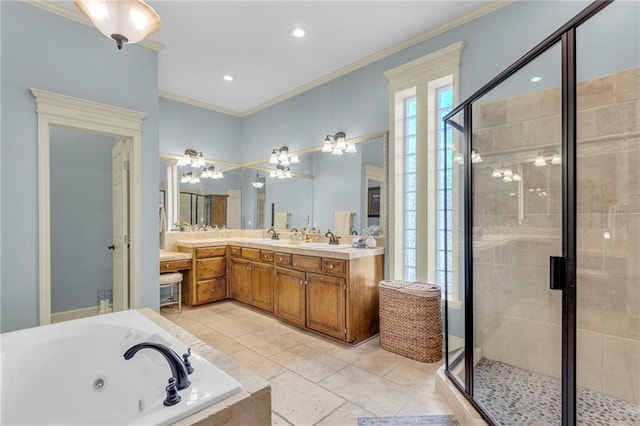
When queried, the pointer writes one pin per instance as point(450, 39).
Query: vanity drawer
point(283, 259)
point(203, 252)
point(175, 265)
point(210, 268)
point(334, 266)
point(250, 253)
point(235, 251)
point(266, 255)
point(212, 290)
point(307, 263)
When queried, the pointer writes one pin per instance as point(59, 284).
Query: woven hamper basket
point(410, 319)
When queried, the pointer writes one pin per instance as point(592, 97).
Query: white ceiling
point(205, 40)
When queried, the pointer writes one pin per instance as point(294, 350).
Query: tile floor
point(314, 380)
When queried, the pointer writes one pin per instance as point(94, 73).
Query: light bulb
point(496, 173)
point(556, 159)
point(326, 146)
point(274, 157)
point(351, 148)
point(294, 159)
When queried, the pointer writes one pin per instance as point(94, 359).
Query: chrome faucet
point(332, 238)
point(275, 235)
point(179, 370)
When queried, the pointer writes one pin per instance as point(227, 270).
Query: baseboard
point(91, 311)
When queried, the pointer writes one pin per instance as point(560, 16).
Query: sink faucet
point(275, 235)
point(178, 369)
point(332, 238)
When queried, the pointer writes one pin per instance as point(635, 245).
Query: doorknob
point(111, 247)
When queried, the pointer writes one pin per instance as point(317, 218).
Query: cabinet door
point(214, 267)
point(262, 285)
point(326, 305)
point(210, 291)
point(241, 280)
point(289, 295)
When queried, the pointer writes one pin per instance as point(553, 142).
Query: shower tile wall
point(517, 318)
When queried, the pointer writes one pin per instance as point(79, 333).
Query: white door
point(234, 209)
point(121, 225)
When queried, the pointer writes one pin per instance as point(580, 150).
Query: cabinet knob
point(331, 266)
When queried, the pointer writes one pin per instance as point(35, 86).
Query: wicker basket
point(410, 320)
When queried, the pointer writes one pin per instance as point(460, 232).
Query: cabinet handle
point(300, 282)
point(331, 266)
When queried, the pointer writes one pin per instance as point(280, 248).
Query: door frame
point(55, 110)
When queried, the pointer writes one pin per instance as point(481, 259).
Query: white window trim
point(406, 80)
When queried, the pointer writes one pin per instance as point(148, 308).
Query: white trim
point(91, 311)
point(404, 80)
point(74, 113)
point(76, 16)
point(200, 104)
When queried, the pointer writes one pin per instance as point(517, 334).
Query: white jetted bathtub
point(75, 373)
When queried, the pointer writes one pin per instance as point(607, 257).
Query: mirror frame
point(256, 165)
point(55, 110)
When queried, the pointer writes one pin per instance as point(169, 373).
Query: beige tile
point(425, 403)
point(628, 85)
point(257, 363)
point(379, 361)
point(415, 373)
point(373, 393)
point(265, 344)
point(309, 362)
point(222, 343)
point(617, 118)
point(233, 327)
point(277, 420)
point(300, 401)
point(595, 92)
point(346, 415)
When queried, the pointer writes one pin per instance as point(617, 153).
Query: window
point(421, 219)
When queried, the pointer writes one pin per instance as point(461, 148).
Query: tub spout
point(178, 369)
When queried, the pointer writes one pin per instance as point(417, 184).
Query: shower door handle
point(558, 273)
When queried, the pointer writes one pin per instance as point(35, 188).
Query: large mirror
point(342, 193)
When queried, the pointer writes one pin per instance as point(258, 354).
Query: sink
point(263, 241)
point(325, 246)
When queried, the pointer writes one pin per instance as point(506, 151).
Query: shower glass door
point(517, 197)
point(608, 210)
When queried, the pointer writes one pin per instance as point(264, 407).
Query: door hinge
point(127, 240)
point(345, 331)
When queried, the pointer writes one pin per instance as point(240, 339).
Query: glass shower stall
point(545, 166)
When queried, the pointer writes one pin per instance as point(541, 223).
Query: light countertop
point(166, 256)
point(283, 246)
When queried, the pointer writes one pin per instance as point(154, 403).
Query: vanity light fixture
point(189, 177)
point(496, 173)
point(339, 145)
point(282, 157)
point(556, 159)
point(192, 158)
point(281, 172)
point(475, 156)
point(257, 184)
point(211, 173)
point(125, 22)
point(539, 162)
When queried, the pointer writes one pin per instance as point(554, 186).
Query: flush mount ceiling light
point(125, 21)
point(192, 158)
point(339, 145)
point(211, 173)
point(228, 78)
point(282, 157)
point(257, 183)
point(189, 177)
point(535, 79)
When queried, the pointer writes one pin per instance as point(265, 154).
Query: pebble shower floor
point(514, 396)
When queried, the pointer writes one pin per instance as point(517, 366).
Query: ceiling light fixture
point(339, 145)
point(298, 32)
point(228, 77)
point(257, 184)
point(282, 157)
point(535, 79)
point(126, 22)
point(192, 158)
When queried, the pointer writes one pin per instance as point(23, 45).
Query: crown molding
point(76, 16)
point(200, 104)
point(485, 10)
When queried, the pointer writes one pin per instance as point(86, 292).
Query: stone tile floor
point(315, 380)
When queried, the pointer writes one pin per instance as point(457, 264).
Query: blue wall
point(81, 218)
point(46, 51)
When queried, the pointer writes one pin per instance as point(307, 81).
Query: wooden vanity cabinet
point(335, 297)
point(252, 277)
point(206, 281)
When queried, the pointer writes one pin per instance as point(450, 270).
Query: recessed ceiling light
point(228, 77)
point(535, 79)
point(298, 32)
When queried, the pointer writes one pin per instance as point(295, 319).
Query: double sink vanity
point(328, 289)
